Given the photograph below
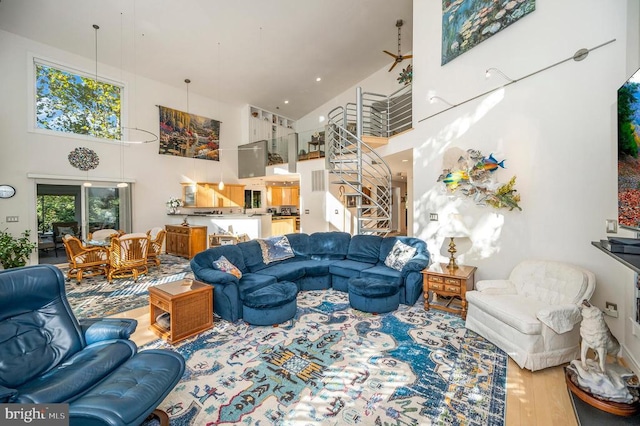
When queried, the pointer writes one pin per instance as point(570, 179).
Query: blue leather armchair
point(47, 356)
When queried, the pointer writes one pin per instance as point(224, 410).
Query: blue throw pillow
point(275, 248)
point(223, 264)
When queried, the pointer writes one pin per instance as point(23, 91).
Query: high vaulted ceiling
point(258, 52)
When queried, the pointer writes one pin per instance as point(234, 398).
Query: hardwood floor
point(539, 398)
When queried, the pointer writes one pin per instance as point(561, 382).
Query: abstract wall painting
point(466, 23)
point(189, 135)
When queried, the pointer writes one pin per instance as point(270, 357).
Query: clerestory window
point(67, 101)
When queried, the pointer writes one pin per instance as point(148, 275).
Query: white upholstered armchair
point(534, 315)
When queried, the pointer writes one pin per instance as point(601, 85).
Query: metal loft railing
point(382, 116)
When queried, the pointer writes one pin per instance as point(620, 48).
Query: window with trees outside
point(69, 102)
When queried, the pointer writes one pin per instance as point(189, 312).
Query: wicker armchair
point(128, 256)
point(103, 234)
point(84, 261)
point(156, 236)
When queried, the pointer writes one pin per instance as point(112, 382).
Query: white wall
point(556, 131)
point(157, 177)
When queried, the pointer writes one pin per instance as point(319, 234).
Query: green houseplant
point(14, 251)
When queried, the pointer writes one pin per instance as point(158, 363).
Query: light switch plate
point(12, 219)
point(612, 226)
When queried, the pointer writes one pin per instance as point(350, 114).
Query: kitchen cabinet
point(185, 241)
point(208, 195)
point(283, 195)
point(283, 225)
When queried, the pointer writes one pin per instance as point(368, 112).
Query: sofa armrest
point(560, 318)
point(6, 394)
point(416, 263)
point(99, 329)
point(213, 276)
point(496, 287)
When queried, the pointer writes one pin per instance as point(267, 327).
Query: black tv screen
point(628, 153)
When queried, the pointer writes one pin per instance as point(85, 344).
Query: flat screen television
point(629, 153)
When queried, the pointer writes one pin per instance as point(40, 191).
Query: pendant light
point(122, 183)
point(87, 183)
point(221, 184)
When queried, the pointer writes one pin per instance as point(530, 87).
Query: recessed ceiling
point(240, 52)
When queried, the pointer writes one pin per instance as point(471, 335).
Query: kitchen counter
point(254, 225)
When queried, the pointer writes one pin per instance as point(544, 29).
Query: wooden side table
point(450, 283)
point(189, 304)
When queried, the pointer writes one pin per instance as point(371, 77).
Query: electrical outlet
point(611, 309)
point(335, 211)
point(612, 226)
point(12, 219)
point(433, 217)
point(306, 211)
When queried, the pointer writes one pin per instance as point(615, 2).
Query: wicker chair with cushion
point(60, 229)
point(128, 256)
point(84, 261)
point(103, 234)
point(156, 236)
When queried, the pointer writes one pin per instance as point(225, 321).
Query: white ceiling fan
point(398, 58)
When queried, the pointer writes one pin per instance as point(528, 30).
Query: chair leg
point(162, 417)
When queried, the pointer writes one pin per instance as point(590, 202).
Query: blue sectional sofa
point(321, 260)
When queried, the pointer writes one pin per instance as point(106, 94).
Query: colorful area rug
point(95, 297)
point(332, 365)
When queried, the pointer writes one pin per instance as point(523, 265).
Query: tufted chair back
point(37, 328)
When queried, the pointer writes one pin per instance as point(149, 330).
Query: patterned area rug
point(95, 297)
point(332, 365)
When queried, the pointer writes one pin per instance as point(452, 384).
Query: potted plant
point(14, 252)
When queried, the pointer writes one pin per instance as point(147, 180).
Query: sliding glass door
point(107, 206)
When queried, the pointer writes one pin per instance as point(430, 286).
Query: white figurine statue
point(596, 335)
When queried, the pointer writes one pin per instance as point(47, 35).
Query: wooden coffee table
point(190, 305)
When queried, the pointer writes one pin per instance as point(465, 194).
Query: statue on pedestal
point(604, 385)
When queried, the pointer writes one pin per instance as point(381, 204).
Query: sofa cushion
point(516, 311)
point(316, 268)
point(371, 287)
point(252, 255)
point(329, 245)
point(290, 271)
point(364, 248)
point(349, 268)
point(77, 374)
point(553, 283)
point(252, 282)
point(275, 249)
point(383, 273)
point(271, 296)
point(300, 245)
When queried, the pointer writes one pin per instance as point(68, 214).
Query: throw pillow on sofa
point(399, 255)
point(223, 264)
point(275, 248)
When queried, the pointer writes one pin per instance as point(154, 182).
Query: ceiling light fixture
point(286, 102)
point(318, 79)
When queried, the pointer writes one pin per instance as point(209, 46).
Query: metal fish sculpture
point(453, 179)
point(489, 163)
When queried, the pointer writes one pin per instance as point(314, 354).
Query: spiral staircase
point(353, 133)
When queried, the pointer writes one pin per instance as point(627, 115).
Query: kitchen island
point(254, 225)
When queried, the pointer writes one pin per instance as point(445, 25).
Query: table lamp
point(454, 228)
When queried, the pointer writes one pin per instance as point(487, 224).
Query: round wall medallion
point(7, 191)
point(84, 158)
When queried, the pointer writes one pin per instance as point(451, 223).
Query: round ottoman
point(373, 295)
point(272, 304)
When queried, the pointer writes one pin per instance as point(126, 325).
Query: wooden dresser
point(185, 241)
